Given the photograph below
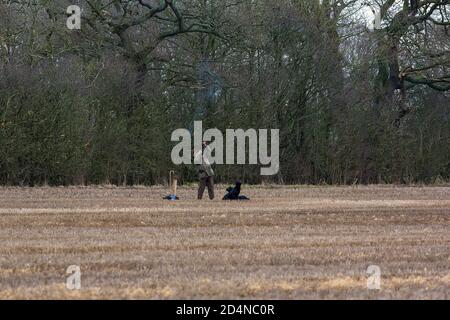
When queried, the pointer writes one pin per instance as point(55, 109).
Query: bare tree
point(413, 49)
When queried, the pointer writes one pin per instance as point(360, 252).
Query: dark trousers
point(206, 182)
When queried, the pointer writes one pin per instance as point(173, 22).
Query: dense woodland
point(354, 103)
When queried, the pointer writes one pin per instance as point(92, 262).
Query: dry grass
point(292, 243)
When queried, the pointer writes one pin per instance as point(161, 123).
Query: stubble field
point(286, 243)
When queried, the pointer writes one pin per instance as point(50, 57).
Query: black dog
point(234, 193)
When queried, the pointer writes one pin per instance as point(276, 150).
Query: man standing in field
point(205, 172)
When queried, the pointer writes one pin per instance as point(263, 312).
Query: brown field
point(287, 243)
